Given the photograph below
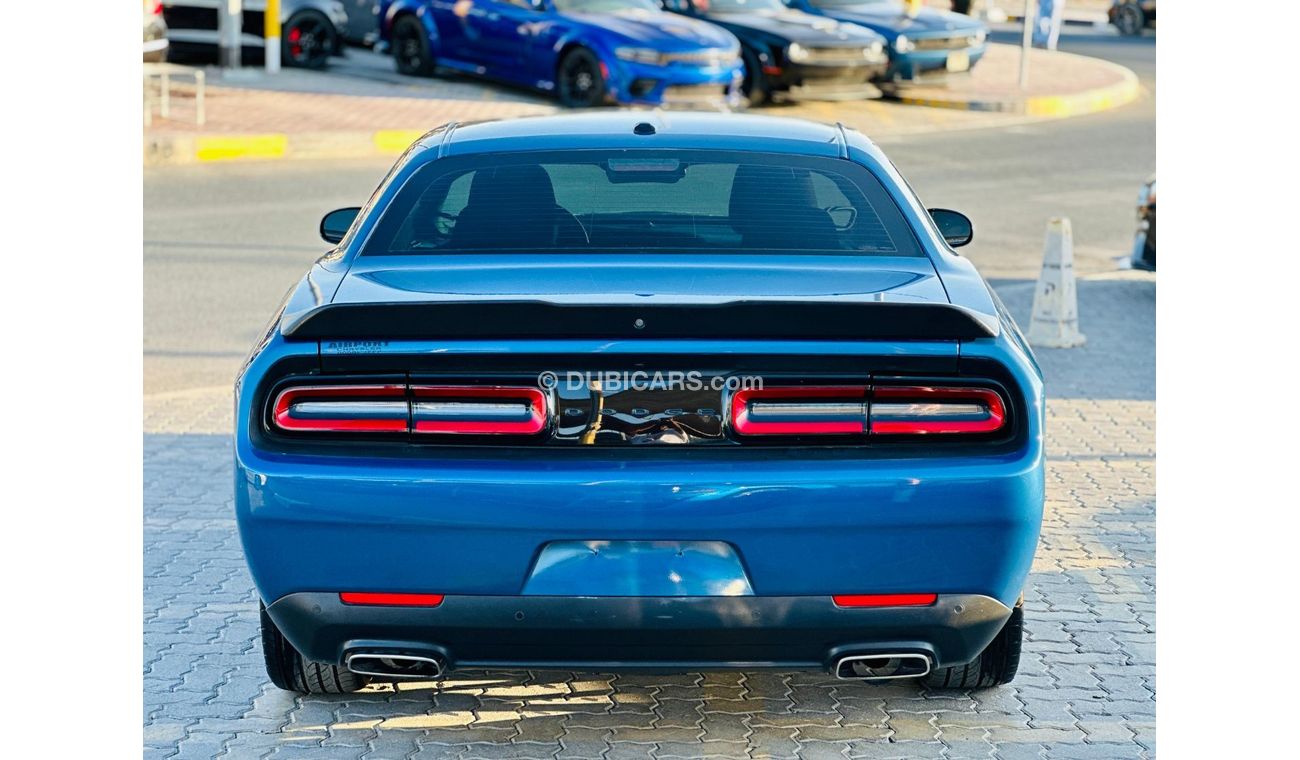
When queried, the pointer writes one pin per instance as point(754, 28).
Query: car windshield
point(739, 6)
point(604, 6)
point(648, 200)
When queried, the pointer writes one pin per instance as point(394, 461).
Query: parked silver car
point(311, 32)
point(155, 32)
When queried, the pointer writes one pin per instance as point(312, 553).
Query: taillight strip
point(343, 409)
point(478, 410)
point(924, 410)
point(800, 411)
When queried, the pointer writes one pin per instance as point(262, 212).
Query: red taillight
point(343, 409)
point(875, 410)
point(425, 409)
point(390, 600)
point(461, 410)
point(155, 7)
point(921, 410)
point(800, 411)
point(884, 600)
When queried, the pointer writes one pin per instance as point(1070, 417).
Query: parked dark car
point(363, 22)
point(930, 44)
point(794, 55)
point(587, 52)
point(1144, 242)
point(311, 32)
point(1132, 16)
point(155, 32)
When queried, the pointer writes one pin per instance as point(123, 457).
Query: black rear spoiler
point(739, 320)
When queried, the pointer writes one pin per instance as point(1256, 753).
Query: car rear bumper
point(620, 633)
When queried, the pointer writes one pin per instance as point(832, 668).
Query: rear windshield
point(654, 201)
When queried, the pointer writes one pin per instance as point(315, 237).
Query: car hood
point(658, 29)
point(642, 279)
point(797, 26)
point(890, 20)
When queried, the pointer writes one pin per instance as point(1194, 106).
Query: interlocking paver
point(1086, 686)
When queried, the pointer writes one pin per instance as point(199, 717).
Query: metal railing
point(159, 98)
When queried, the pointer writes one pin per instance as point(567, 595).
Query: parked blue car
point(632, 390)
point(587, 52)
point(928, 45)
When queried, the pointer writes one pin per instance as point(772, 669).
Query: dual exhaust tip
point(390, 665)
point(881, 667)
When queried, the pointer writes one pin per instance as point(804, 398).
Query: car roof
point(621, 130)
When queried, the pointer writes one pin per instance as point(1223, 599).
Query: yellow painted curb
point(394, 141)
point(1124, 91)
point(232, 147)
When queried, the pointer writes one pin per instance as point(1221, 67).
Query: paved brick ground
point(1087, 682)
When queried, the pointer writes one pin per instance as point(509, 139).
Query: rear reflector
point(462, 410)
point(800, 411)
point(884, 600)
point(923, 410)
point(391, 600)
point(343, 409)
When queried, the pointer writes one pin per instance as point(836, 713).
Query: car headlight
point(796, 52)
point(874, 52)
point(639, 55)
point(980, 36)
point(902, 44)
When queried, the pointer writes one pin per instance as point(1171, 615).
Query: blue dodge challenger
point(587, 52)
point(625, 390)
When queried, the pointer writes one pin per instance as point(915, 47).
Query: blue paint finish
point(888, 19)
point(802, 522)
point(523, 45)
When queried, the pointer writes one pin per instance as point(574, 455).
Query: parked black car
point(363, 22)
point(1144, 242)
point(790, 54)
point(311, 31)
point(1132, 16)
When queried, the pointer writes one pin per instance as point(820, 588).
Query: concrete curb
point(1058, 106)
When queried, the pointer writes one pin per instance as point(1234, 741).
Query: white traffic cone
point(1055, 319)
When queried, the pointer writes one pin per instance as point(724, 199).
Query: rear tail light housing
point(399, 408)
point(876, 410)
point(460, 410)
point(342, 409)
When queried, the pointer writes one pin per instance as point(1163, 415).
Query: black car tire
point(1130, 20)
point(290, 671)
point(995, 666)
point(411, 49)
point(321, 40)
point(754, 87)
point(578, 81)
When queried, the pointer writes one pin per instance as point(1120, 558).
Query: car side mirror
point(955, 226)
point(335, 224)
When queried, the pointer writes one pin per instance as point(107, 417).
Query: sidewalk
point(1060, 84)
point(361, 108)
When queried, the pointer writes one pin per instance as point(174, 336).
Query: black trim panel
point(797, 320)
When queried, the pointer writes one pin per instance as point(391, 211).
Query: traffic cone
point(1055, 319)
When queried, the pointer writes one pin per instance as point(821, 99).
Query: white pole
point(272, 30)
point(1026, 41)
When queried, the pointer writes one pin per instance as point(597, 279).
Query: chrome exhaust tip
point(881, 667)
point(391, 665)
